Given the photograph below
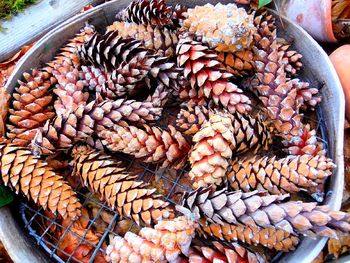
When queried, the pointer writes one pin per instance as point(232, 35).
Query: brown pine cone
point(249, 133)
point(31, 106)
point(151, 144)
point(279, 176)
point(225, 28)
point(253, 208)
point(161, 39)
point(207, 76)
point(79, 125)
point(26, 174)
point(275, 91)
point(147, 12)
point(271, 238)
point(222, 253)
point(131, 198)
point(163, 243)
point(111, 49)
point(211, 153)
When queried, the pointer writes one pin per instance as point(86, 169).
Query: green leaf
point(6, 196)
point(264, 2)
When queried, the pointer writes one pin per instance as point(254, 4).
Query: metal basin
point(317, 69)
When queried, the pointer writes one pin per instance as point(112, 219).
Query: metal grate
point(172, 184)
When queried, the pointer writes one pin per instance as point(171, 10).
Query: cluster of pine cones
point(105, 93)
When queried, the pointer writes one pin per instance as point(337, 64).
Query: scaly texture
point(279, 176)
point(69, 89)
point(31, 106)
point(211, 153)
point(131, 198)
point(271, 238)
point(226, 28)
point(127, 79)
point(163, 243)
point(161, 39)
point(239, 63)
point(221, 253)
point(307, 97)
point(147, 12)
point(79, 125)
point(250, 133)
point(306, 143)
point(32, 100)
point(26, 174)
point(151, 144)
point(208, 77)
point(255, 209)
point(111, 50)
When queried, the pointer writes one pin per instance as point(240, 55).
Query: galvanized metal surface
point(317, 69)
point(35, 21)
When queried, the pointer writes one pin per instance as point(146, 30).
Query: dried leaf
point(338, 247)
point(4, 107)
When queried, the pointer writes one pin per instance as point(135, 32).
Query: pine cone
point(31, 106)
point(224, 207)
point(32, 177)
point(226, 28)
point(206, 75)
point(239, 63)
point(131, 198)
point(306, 143)
point(279, 176)
point(147, 12)
point(163, 243)
point(161, 39)
point(249, 133)
point(276, 92)
point(79, 125)
point(222, 253)
point(271, 238)
point(211, 153)
point(151, 144)
point(110, 50)
point(291, 59)
point(265, 24)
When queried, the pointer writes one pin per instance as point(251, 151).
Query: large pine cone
point(207, 76)
point(31, 106)
point(151, 144)
point(79, 125)
point(26, 174)
point(255, 209)
point(226, 28)
point(147, 12)
point(278, 176)
point(249, 133)
point(131, 198)
point(212, 152)
point(271, 238)
point(110, 50)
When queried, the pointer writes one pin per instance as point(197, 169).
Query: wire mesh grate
point(170, 183)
